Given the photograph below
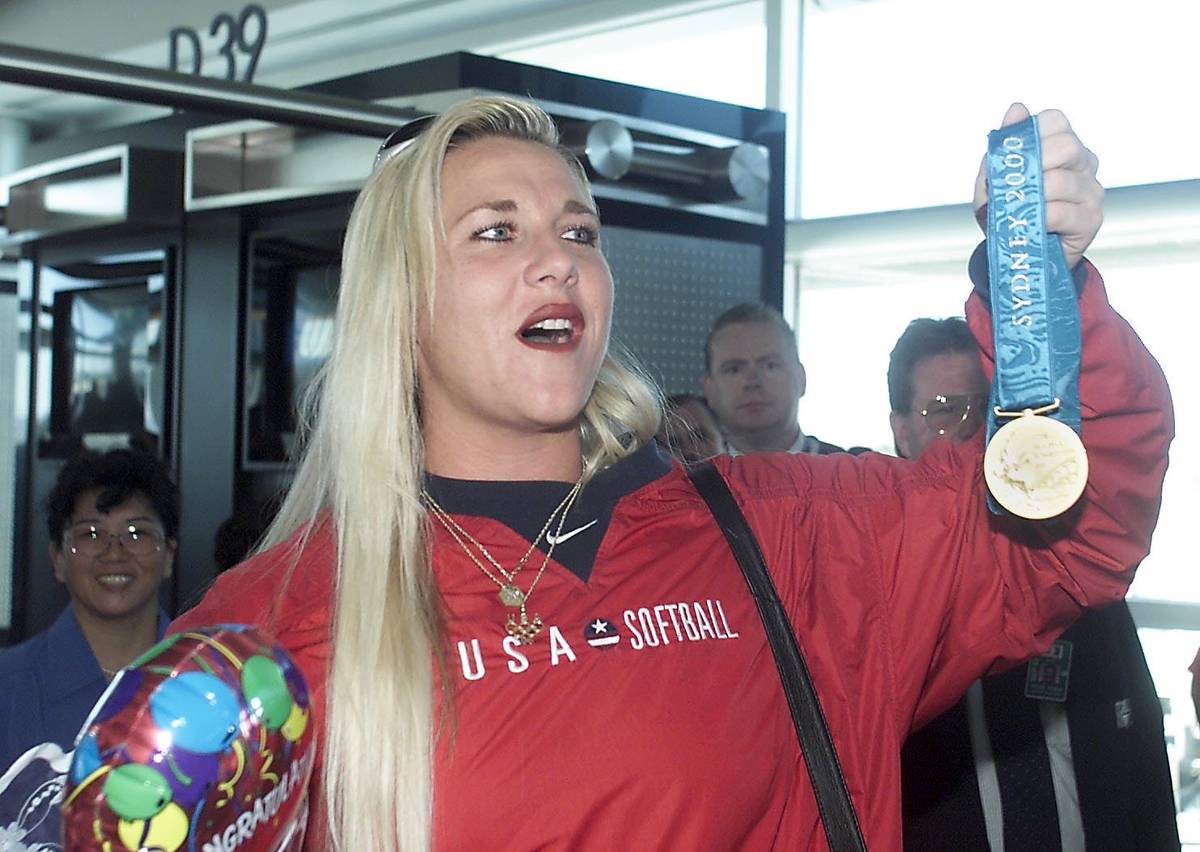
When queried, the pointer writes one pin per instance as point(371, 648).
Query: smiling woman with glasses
point(112, 520)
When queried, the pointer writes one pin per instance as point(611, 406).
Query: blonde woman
point(522, 627)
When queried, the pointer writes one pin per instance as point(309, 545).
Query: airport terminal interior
point(175, 180)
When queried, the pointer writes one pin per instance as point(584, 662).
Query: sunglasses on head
point(401, 138)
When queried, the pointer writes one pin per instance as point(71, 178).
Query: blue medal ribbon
point(1035, 319)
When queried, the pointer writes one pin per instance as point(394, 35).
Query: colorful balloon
point(165, 830)
point(86, 759)
point(200, 711)
point(135, 791)
point(295, 679)
point(296, 724)
point(264, 686)
point(191, 774)
point(204, 742)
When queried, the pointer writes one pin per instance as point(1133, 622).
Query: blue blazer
point(48, 685)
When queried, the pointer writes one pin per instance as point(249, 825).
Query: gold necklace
point(511, 595)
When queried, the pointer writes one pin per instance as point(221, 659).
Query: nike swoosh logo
point(551, 538)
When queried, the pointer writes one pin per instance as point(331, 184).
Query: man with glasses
point(112, 520)
point(1063, 753)
point(936, 386)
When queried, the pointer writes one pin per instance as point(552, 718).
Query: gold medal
point(1035, 467)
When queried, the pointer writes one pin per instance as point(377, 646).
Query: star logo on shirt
point(602, 633)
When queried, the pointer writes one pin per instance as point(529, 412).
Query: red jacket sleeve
point(903, 588)
point(287, 592)
point(1016, 584)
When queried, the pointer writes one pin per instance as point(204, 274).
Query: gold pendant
point(1036, 467)
point(525, 630)
point(510, 595)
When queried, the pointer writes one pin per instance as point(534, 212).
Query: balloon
point(264, 685)
point(135, 791)
point(191, 774)
point(198, 709)
point(296, 724)
point(86, 759)
point(166, 830)
point(204, 743)
point(295, 680)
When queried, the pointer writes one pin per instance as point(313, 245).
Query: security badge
point(1047, 676)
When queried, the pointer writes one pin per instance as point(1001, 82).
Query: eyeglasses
point(951, 413)
point(400, 139)
point(90, 541)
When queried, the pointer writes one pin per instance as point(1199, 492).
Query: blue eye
point(583, 234)
point(496, 232)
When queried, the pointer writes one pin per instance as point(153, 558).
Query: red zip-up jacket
point(649, 714)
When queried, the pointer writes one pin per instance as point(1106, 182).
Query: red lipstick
point(554, 328)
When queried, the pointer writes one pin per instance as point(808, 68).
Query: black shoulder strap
point(824, 771)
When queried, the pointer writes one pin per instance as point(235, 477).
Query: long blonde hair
point(364, 463)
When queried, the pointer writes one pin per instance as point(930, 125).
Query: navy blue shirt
point(48, 685)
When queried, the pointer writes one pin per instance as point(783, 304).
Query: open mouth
point(552, 331)
point(553, 327)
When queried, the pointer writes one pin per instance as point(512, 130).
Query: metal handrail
point(121, 81)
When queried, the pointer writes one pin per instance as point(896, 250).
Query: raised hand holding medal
point(1035, 465)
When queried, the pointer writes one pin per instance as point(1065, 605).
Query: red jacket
point(677, 734)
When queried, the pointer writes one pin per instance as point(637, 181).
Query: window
point(898, 94)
